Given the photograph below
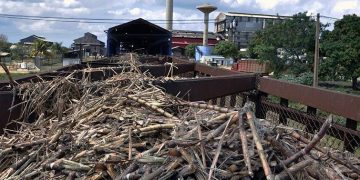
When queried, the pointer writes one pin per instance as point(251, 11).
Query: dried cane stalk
point(311, 144)
point(330, 154)
point(218, 150)
point(153, 107)
point(12, 82)
point(244, 143)
point(294, 169)
point(260, 149)
point(130, 145)
point(208, 106)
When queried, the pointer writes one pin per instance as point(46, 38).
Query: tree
point(4, 44)
point(19, 52)
point(226, 49)
point(242, 54)
point(190, 50)
point(58, 50)
point(342, 48)
point(41, 49)
point(288, 45)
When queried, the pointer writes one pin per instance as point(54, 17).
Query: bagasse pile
point(125, 128)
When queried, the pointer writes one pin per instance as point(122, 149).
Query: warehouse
point(138, 36)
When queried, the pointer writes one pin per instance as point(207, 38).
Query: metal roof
point(192, 34)
point(267, 16)
point(89, 39)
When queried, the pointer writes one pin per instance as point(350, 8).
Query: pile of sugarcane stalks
point(126, 128)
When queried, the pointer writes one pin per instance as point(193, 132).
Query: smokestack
point(169, 14)
point(206, 9)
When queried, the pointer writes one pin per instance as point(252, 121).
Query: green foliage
point(342, 48)
point(288, 45)
point(190, 50)
point(58, 50)
point(305, 78)
point(41, 48)
point(4, 44)
point(226, 49)
point(243, 54)
point(20, 52)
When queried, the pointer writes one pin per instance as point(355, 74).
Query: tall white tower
point(169, 14)
point(206, 9)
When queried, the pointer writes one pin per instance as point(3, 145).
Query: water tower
point(206, 9)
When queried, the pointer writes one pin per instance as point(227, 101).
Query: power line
point(328, 17)
point(87, 21)
point(96, 19)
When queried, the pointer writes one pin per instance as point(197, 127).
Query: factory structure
point(240, 28)
point(145, 37)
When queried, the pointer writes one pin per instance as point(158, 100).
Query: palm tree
point(41, 49)
point(56, 49)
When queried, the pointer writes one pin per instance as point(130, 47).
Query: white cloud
point(97, 29)
point(68, 3)
point(37, 26)
point(343, 6)
point(147, 9)
point(314, 8)
point(66, 7)
point(270, 4)
point(135, 11)
point(236, 3)
point(118, 12)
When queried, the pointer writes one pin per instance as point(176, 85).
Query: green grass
point(339, 86)
point(4, 77)
point(50, 67)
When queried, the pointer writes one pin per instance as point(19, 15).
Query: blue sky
point(147, 9)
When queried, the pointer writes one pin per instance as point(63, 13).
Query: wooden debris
point(126, 128)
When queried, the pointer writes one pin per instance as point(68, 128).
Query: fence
point(297, 106)
point(301, 107)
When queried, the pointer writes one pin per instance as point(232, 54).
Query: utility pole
point(316, 57)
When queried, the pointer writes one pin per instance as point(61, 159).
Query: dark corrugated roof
point(88, 38)
point(137, 23)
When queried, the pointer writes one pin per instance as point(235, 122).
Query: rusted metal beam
point(350, 143)
point(163, 70)
point(283, 117)
point(155, 70)
point(334, 102)
point(207, 88)
point(33, 78)
point(214, 71)
point(6, 115)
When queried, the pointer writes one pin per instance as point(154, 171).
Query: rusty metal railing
point(232, 89)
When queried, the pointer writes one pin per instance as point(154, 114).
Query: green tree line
point(289, 47)
point(39, 48)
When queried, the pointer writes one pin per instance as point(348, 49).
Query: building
point(4, 57)
point(138, 36)
point(182, 38)
point(31, 39)
point(90, 45)
point(240, 28)
point(215, 60)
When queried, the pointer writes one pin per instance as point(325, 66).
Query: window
point(249, 19)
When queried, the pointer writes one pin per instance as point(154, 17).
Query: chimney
point(169, 14)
